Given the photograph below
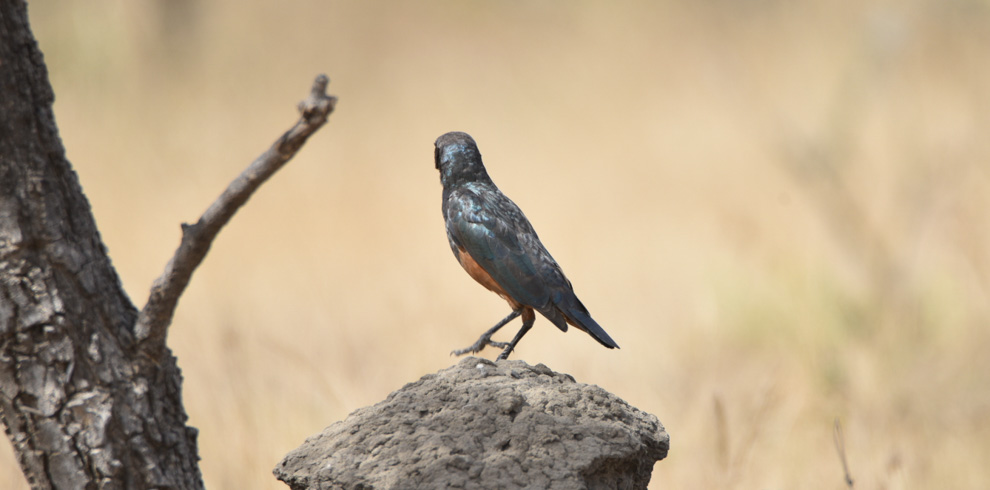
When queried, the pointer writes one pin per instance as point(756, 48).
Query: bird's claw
point(479, 346)
point(466, 350)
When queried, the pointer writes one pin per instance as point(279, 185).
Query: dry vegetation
point(778, 209)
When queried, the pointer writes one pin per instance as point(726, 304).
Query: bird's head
point(458, 159)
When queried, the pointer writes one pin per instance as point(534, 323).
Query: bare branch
point(151, 327)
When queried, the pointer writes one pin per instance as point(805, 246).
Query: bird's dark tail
point(578, 315)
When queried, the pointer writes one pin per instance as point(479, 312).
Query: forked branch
point(152, 324)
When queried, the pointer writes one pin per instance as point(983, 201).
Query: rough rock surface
point(479, 424)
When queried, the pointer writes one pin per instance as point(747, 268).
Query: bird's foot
point(476, 347)
point(505, 353)
point(486, 338)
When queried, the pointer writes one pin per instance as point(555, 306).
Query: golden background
point(778, 209)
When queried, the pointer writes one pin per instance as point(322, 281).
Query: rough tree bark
point(90, 396)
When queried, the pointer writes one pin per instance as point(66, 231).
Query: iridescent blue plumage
point(498, 247)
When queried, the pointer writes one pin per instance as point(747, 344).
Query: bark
point(90, 395)
point(80, 407)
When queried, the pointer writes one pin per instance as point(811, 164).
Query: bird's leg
point(528, 318)
point(486, 338)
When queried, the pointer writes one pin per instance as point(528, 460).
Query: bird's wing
point(493, 240)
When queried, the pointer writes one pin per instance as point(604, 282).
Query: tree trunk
point(81, 403)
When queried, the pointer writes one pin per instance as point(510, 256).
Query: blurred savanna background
point(778, 209)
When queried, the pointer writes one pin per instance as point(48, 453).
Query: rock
point(479, 424)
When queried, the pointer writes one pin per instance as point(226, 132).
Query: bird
point(498, 247)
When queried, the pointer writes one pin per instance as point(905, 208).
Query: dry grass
point(778, 209)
